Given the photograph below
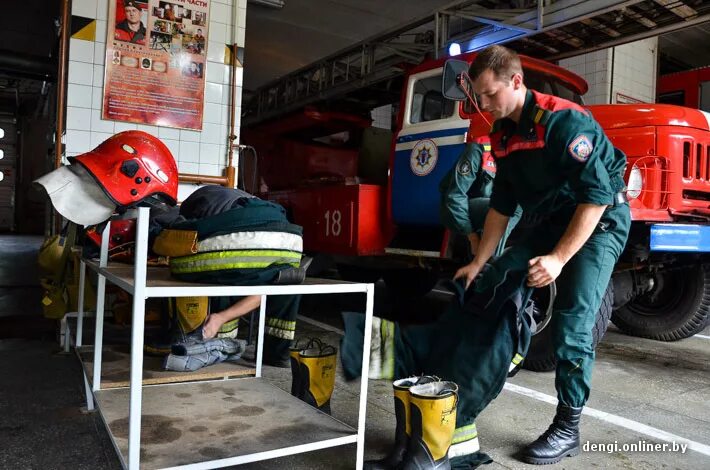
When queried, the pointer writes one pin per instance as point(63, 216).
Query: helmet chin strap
point(466, 84)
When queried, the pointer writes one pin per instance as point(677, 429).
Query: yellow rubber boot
point(318, 375)
point(433, 418)
point(403, 429)
point(295, 360)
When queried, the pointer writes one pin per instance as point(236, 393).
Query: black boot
point(560, 440)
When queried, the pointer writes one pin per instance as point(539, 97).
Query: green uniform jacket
point(556, 157)
point(472, 177)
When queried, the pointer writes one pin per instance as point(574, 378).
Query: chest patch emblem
point(423, 158)
point(580, 148)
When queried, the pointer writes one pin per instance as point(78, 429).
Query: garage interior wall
point(199, 152)
point(628, 70)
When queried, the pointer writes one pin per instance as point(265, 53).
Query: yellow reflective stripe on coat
point(517, 359)
point(388, 344)
point(242, 259)
point(279, 328)
point(465, 433)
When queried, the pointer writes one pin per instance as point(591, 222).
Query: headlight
point(635, 184)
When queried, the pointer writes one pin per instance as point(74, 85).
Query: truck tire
point(541, 355)
point(410, 282)
point(677, 307)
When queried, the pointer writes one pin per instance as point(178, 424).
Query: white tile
point(188, 167)
point(224, 114)
point(79, 95)
point(215, 51)
point(80, 73)
point(189, 136)
point(213, 92)
point(98, 137)
point(100, 125)
point(123, 126)
point(210, 170)
point(218, 32)
point(152, 130)
point(102, 10)
point(98, 75)
point(77, 141)
point(97, 97)
point(189, 152)
point(80, 50)
point(209, 153)
point(99, 53)
point(173, 146)
point(241, 35)
point(85, 8)
point(212, 113)
point(240, 76)
point(168, 133)
point(241, 17)
point(100, 31)
point(215, 72)
point(220, 13)
point(210, 134)
point(78, 118)
point(225, 95)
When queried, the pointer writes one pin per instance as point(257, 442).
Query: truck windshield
point(543, 83)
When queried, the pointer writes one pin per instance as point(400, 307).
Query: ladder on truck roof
point(370, 71)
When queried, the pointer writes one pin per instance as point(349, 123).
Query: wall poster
point(155, 62)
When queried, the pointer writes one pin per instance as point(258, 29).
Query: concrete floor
point(643, 391)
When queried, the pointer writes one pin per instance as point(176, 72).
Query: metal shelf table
point(194, 400)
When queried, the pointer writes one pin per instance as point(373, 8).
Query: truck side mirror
point(450, 83)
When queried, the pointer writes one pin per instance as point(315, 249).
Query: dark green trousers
point(580, 290)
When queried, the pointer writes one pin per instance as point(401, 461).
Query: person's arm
point(240, 308)
point(585, 154)
point(545, 269)
point(454, 190)
point(493, 230)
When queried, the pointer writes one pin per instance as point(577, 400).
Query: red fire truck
point(372, 201)
point(690, 88)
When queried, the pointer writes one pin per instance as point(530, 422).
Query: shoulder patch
point(580, 148)
point(463, 168)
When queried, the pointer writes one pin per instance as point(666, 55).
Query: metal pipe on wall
point(62, 81)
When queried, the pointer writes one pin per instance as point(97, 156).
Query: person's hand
point(543, 270)
point(212, 325)
point(468, 273)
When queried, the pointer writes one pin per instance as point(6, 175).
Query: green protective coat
point(555, 158)
point(466, 190)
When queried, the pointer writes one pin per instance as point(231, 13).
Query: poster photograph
point(156, 54)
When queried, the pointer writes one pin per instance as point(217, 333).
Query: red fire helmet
point(132, 166)
point(122, 232)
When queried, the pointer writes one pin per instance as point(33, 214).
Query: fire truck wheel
point(677, 307)
point(410, 282)
point(541, 355)
point(351, 273)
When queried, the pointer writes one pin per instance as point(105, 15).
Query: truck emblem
point(423, 157)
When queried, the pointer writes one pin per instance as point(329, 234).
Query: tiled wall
point(595, 67)
point(202, 152)
point(629, 69)
point(635, 70)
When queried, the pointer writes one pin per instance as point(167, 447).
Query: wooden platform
point(116, 364)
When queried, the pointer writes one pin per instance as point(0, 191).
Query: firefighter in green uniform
point(466, 191)
point(553, 160)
